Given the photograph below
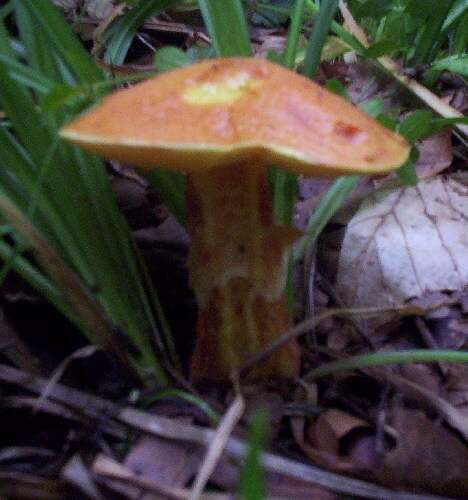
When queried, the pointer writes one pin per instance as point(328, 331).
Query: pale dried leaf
point(426, 456)
point(404, 243)
point(99, 9)
point(75, 472)
point(435, 154)
point(67, 4)
point(321, 440)
point(167, 462)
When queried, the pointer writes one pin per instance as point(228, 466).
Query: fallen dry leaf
point(167, 462)
point(67, 4)
point(331, 426)
point(99, 9)
point(413, 391)
point(457, 388)
point(435, 154)
point(406, 242)
point(426, 456)
point(76, 473)
point(322, 440)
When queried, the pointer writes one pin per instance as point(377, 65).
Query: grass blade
point(252, 480)
point(455, 12)
point(318, 36)
point(328, 206)
point(388, 358)
point(120, 35)
point(64, 41)
point(294, 33)
point(26, 76)
point(227, 27)
point(71, 287)
point(75, 213)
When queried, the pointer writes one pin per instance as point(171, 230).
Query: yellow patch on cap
point(222, 91)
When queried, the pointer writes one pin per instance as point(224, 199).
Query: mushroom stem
point(237, 270)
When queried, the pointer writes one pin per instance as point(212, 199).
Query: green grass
point(388, 358)
point(62, 198)
point(419, 32)
point(119, 37)
point(252, 478)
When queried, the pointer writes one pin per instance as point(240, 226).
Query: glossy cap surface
point(223, 110)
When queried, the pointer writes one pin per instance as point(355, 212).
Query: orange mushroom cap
point(223, 110)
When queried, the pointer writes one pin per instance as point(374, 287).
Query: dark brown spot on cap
point(349, 132)
point(370, 158)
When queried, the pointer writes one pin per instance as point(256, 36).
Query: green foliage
point(373, 107)
point(186, 396)
point(407, 172)
point(419, 125)
point(120, 35)
point(294, 32)
point(455, 64)
point(362, 361)
point(326, 209)
point(227, 27)
point(252, 480)
point(271, 14)
point(417, 30)
point(337, 88)
point(416, 126)
point(59, 199)
point(318, 36)
point(169, 58)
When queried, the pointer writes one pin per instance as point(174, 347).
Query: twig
point(171, 429)
point(430, 341)
point(83, 352)
point(215, 450)
point(111, 428)
point(310, 323)
point(450, 413)
point(111, 469)
point(23, 485)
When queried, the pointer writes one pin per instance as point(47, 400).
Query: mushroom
point(224, 121)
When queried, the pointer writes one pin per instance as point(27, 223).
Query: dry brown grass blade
point(171, 429)
point(20, 485)
point(84, 352)
point(50, 407)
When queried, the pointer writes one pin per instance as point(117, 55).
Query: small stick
point(216, 448)
point(111, 469)
point(310, 323)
